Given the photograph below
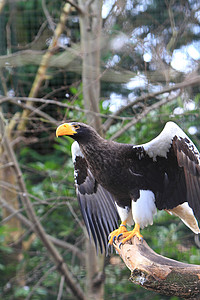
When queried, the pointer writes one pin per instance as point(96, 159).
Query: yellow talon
point(129, 234)
point(118, 232)
point(125, 234)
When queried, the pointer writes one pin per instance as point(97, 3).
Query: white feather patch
point(144, 208)
point(185, 213)
point(125, 214)
point(161, 144)
point(76, 151)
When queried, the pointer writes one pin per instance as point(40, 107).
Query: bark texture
point(158, 273)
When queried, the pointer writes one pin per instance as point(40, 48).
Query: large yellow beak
point(65, 129)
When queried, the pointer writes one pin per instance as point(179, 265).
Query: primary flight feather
point(133, 181)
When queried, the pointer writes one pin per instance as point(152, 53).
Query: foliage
point(130, 30)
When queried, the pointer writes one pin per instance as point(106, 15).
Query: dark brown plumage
point(133, 180)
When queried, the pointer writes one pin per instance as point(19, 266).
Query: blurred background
point(124, 67)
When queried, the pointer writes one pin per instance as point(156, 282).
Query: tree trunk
point(95, 273)
point(90, 28)
point(158, 273)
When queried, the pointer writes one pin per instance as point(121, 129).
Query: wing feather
point(97, 204)
point(182, 167)
point(106, 216)
point(111, 213)
point(188, 159)
point(95, 224)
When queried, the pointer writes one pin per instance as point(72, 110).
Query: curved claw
point(129, 234)
point(114, 237)
point(121, 234)
point(116, 233)
point(120, 244)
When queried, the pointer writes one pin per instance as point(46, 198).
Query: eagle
point(132, 182)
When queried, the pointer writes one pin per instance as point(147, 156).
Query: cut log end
point(158, 273)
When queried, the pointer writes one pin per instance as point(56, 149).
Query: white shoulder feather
point(162, 143)
point(76, 151)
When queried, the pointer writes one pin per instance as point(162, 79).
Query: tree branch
point(30, 225)
point(76, 6)
point(158, 273)
point(17, 101)
point(47, 15)
point(36, 111)
point(184, 84)
point(38, 229)
point(38, 283)
point(41, 73)
point(145, 112)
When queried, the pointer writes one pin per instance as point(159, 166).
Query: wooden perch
point(158, 273)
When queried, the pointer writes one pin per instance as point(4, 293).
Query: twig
point(40, 281)
point(171, 44)
point(60, 292)
point(40, 76)
point(142, 115)
point(75, 217)
point(110, 118)
point(35, 110)
point(36, 38)
point(72, 3)
point(30, 226)
point(16, 100)
point(7, 165)
point(38, 229)
point(3, 82)
point(47, 15)
point(168, 89)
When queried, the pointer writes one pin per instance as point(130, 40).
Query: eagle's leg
point(129, 234)
point(118, 232)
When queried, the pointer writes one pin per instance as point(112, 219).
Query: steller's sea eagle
point(133, 181)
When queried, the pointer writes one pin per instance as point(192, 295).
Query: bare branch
point(30, 226)
point(168, 89)
point(39, 282)
point(47, 15)
point(142, 115)
point(38, 229)
point(35, 110)
point(36, 38)
point(16, 101)
point(40, 76)
point(173, 38)
point(3, 82)
point(158, 273)
point(77, 7)
point(60, 292)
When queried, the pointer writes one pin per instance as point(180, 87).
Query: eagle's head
point(78, 131)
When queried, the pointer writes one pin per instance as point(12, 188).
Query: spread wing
point(97, 204)
point(181, 168)
point(188, 158)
